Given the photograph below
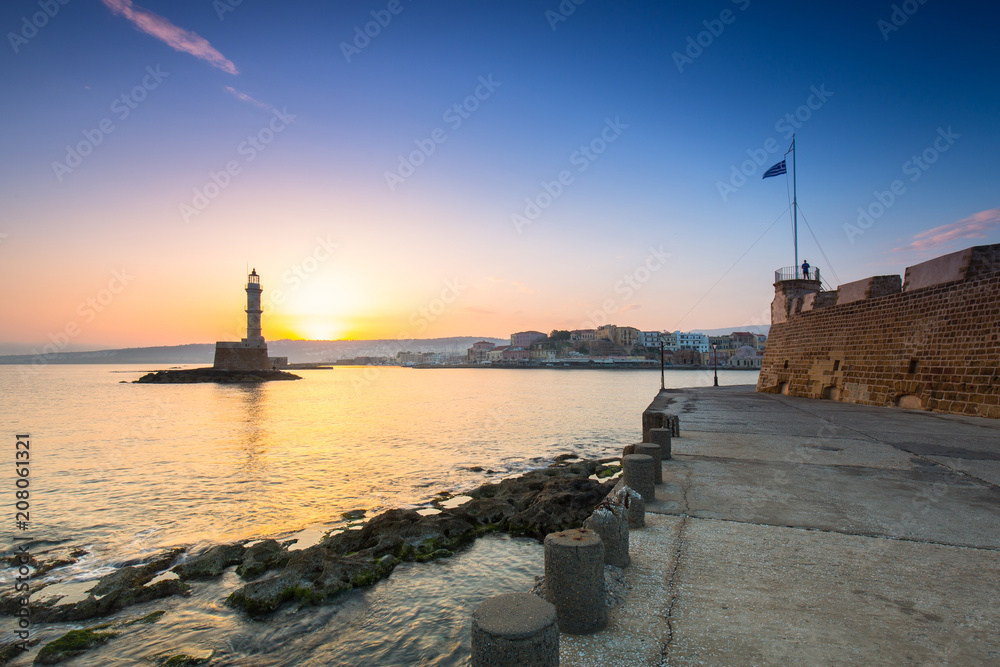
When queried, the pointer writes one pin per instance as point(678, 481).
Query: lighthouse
point(250, 354)
point(253, 309)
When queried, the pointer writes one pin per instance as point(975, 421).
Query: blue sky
point(358, 253)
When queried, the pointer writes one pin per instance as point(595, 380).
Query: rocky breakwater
point(534, 504)
point(192, 375)
point(539, 502)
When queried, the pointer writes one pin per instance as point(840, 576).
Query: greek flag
point(776, 170)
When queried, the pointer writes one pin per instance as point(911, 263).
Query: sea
point(123, 471)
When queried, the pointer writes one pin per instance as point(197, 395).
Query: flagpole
point(795, 206)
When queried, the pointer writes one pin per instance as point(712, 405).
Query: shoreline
point(567, 367)
point(274, 573)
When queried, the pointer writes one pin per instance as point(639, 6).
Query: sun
point(318, 329)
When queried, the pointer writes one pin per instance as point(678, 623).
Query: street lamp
point(715, 363)
point(661, 364)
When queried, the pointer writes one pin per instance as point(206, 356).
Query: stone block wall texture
point(238, 357)
point(935, 347)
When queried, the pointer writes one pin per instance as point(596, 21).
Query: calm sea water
point(126, 469)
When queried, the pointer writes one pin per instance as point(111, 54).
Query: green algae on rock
point(72, 644)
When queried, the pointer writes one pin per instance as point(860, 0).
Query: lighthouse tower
point(250, 354)
point(253, 309)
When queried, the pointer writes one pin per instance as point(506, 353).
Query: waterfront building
point(477, 353)
point(741, 338)
point(692, 341)
point(649, 338)
point(409, 358)
point(721, 343)
point(516, 355)
point(542, 354)
point(581, 335)
point(625, 337)
point(526, 338)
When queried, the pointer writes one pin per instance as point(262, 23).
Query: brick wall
point(935, 347)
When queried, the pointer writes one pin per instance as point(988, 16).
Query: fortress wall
point(934, 345)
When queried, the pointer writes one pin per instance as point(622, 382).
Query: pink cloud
point(249, 100)
point(974, 227)
point(177, 38)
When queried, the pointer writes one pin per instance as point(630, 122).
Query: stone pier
point(798, 531)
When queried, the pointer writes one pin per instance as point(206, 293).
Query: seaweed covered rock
point(261, 557)
point(539, 502)
point(211, 563)
point(310, 577)
point(122, 588)
point(355, 558)
point(72, 644)
point(562, 503)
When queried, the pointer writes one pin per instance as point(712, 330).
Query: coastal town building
point(581, 335)
point(679, 340)
point(541, 355)
point(477, 353)
point(250, 354)
point(649, 339)
point(625, 337)
point(526, 338)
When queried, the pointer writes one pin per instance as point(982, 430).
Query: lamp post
point(715, 363)
point(661, 364)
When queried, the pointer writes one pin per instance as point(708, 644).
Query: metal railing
point(795, 273)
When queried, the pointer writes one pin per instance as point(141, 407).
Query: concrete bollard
point(634, 505)
point(661, 437)
point(629, 449)
point(515, 629)
point(610, 522)
point(574, 580)
point(675, 425)
point(639, 474)
point(650, 449)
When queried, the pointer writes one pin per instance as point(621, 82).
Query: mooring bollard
point(610, 522)
point(515, 629)
point(634, 505)
point(639, 474)
point(661, 437)
point(650, 449)
point(675, 425)
point(651, 419)
point(574, 580)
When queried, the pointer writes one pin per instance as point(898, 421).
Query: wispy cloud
point(177, 38)
point(974, 227)
point(629, 307)
point(249, 100)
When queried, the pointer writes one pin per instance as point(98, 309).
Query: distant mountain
point(725, 331)
point(297, 351)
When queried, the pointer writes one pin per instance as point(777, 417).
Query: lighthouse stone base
point(242, 356)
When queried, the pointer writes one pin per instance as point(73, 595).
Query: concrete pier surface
point(792, 531)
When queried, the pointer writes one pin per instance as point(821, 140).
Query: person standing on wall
point(805, 269)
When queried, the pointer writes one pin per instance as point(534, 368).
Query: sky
point(417, 169)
